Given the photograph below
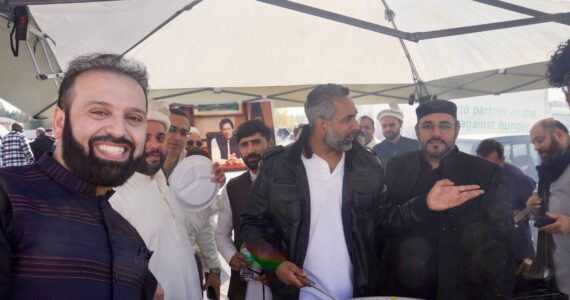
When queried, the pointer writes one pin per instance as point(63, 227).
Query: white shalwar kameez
point(327, 261)
point(147, 203)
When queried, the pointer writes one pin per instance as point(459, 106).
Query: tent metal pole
point(274, 98)
point(176, 14)
point(338, 18)
point(417, 36)
point(38, 114)
point(491, 26)
point(364, 94)
point(467, 83)
point(522, 85)
point(292, 91)
point(459, 89)
point(181, 94)
point(517, 9)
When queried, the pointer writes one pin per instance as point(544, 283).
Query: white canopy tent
point(215, 51)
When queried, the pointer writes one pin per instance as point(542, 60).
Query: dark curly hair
point(559, 67)
point(488, 146)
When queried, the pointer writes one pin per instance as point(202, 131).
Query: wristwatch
point(215, 271)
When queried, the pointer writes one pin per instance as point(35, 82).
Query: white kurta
point(559, 204)
point(149, 206)
point(226, 246)
point(327, 262)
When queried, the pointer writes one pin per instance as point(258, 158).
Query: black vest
point(238, 192)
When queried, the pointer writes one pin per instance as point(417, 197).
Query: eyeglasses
point(182, 132)
point(191, 143)
point(443, 126)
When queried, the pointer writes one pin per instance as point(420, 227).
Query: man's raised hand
point(445, 194)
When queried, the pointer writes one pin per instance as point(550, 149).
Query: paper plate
point(191, 185)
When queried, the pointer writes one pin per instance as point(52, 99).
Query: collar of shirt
point(62, 176)
point(321, 166)
point(252, 176)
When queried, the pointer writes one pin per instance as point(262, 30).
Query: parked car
point(519, 150)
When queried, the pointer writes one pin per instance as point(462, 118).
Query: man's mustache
point(436, 139)
point(156, 151)
point(253, 155)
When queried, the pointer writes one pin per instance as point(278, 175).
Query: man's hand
point(214, 281)
point(237, 262)
point(219, 175)
point(533, 202)
point(561, 226)
point(445, 195)
point(288, 273)
point(263, 279)
point(159, 293)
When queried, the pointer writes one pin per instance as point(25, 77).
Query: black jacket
point(42, 144)
point(275, 224)
point(474, 243)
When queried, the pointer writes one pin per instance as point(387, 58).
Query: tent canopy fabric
point(215, 51)
point(19, 84)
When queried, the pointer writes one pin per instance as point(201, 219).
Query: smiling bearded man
point(59, 236)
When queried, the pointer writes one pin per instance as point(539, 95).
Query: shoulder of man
point(272, 152)
point(238, 178)
point(483, 168)
point(408, 140)
point(368, 150)
point(401, 162)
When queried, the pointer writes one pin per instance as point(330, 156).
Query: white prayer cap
point(158, 111)
point(394, 113)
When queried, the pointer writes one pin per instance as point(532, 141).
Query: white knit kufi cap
point(394, 113)
point(194, 130)
point(158, 111)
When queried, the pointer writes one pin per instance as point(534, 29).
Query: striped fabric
point(68, 243)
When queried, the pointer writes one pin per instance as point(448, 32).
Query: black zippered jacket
point(275, 224)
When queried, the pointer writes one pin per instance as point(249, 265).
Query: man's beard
point(145, 168)
point(390, 135)
point(440, 153)
point(553, 151)
point(252, 165)
point(338, 143)
point(92, 169)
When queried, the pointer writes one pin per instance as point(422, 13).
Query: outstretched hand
point(445, 195)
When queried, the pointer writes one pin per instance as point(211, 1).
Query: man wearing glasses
point(201, 231)
point(194, 143)
point(440, 245)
